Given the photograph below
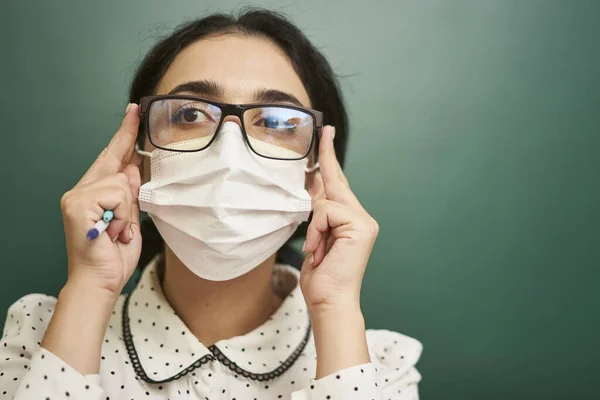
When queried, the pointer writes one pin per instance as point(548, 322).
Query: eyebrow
point(214, 89)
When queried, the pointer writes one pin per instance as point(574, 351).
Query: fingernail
point(131, 233)
point(127, 109)
point(332, 132)
point(312, 259)
point(304, 247)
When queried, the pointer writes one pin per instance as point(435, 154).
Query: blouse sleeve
point(28, 371)
point(391, 374)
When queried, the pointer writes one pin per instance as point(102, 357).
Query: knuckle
point(65, 200)
point(102, 153)
point(364, 232)
point(68, 202)
point(311, 230)
point(368, 227)
point(122, 179)
point(327, 206)
point(320, 204)
point(375, 227)
point(123, 182)
point(124, 195)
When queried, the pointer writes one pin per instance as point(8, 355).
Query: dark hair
point(310, 65)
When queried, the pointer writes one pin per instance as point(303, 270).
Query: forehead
point(242, 64)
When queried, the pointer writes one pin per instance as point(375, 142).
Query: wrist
point(86, 285)
point(326, 313)
point(340, 339)
point(332, 323)
point(87, 295)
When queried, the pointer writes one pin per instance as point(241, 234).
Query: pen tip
point(92, 234)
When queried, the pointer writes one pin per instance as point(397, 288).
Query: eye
point(273, 122)
point(190, 115)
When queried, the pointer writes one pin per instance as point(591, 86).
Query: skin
point(339, 240)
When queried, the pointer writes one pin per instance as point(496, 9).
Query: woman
point(214, 316)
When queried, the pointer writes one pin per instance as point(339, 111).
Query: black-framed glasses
point(188, 123)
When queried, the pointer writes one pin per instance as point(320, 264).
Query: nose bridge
point(230, 142)
point(233, 118)
point(233, 113)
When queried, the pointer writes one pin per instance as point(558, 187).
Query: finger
point(334, 181)
point(132, 172)
point(122, 145)
point(119, 151)
point(321, 250)
point(113, 198)
point(136, 158)
point(327, 216)
point(313, 233)
point(120, 180)
point(330, 242)
point(135, 228)
point(133, 176)
point(115, 180)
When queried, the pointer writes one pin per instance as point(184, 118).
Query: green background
point(474, 143)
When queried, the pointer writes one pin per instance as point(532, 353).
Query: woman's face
point(232, 68)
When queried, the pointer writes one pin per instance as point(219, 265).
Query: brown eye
point(190, 115)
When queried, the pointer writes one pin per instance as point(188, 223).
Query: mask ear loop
point(312, 169)
point(142, 152)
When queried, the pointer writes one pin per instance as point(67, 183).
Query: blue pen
point(101, 225)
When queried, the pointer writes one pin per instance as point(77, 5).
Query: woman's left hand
point(338, 244)
point(339, 239)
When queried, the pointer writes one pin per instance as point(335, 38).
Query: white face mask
point(224, 210)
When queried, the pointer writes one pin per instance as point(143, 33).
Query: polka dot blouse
point(149, 354)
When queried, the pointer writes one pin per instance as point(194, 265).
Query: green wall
point(475, 138)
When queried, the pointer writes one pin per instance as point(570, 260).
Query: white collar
point(162, 348)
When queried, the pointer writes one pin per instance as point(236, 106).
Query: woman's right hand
point(111, 183)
